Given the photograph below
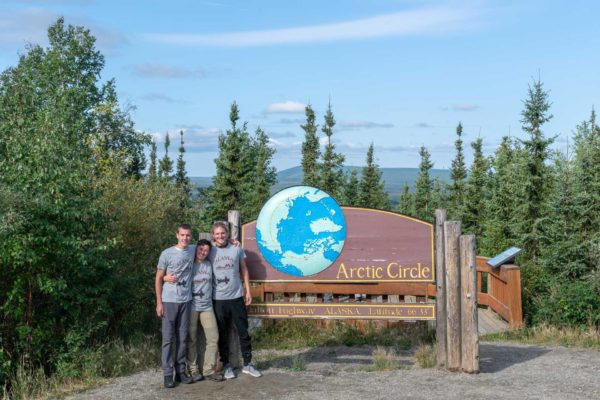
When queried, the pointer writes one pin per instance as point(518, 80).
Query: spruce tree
point(351, 189)
point(458, 174)
point(181, 179)
point(234, 171)
point(537, 177)
point(331, 172)
point(406, 203)
point(152, 169)
point(474, 212)
point(423, 186)
point(310, 150)
point(372, 191)
point(263, 174)
point(165, 165)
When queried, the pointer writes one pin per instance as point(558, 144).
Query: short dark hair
point(187, 227)
point(204, 242)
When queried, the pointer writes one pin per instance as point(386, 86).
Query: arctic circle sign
point(373, 245)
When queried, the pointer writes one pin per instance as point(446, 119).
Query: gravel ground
point(508, 371)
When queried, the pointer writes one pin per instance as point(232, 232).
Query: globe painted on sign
point(301, 230)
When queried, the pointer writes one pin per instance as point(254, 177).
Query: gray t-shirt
point(227, 283)
point(202, 286)
point(178, 262)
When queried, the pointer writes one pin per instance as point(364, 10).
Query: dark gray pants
point(175, 324)
point(233, 312)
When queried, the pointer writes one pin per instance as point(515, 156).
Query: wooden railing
point(502, 292)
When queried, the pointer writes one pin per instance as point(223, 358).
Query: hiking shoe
point(169, 382)
point(250, 369)
point(184, 378)
point(216, 376)
point(197, 376)
point(228, 372)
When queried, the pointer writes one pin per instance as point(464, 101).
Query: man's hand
point(235, 242)
point(159, 310)
point(170, 278)
point(248, 298)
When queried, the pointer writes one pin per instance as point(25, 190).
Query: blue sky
point(400, 74)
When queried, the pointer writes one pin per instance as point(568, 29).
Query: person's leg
point(192, 350)
point(211, 333)
point(222, 314)
point(183, 324)
point(240, 320)
point(168, 330)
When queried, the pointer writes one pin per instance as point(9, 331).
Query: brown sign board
point(380, 246)
point(399, 311)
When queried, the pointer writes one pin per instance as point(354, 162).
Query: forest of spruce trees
point(84, 214)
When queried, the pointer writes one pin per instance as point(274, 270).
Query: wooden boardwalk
point(490, 322)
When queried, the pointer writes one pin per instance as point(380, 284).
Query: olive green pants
point(202, 345)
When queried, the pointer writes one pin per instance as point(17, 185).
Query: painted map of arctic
point(301, 230)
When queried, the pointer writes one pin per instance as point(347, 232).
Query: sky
point(398, 74)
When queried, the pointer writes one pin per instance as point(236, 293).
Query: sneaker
point(250, 369)
point(197, 376)
point(216, 376)
point(169, 382)
point(228, 372)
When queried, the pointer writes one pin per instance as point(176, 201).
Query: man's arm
point(158, 286)
point(246, 281)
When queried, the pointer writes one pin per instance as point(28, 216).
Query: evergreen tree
point(351, 189)
point(422, 196)
point(458, 174)
point(181, 179)
point(310, 150)
point(264, 175)
point(502, 205)
point(165, 165)
point(152, 169)
point(372, 191)
point(438, 194)
point(234, 171)
point(331, 172)
point(537, 183)
point(406, 203)
point(474, 212)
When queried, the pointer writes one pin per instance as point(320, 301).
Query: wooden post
point(440, 289)
point(469, 324)
point(515, 307)
point(452, 263)
point(233, 217)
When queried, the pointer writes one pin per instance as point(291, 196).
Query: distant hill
point(394, 178)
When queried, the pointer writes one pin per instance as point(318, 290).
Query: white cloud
point(353, 125)
point(421, 21)
point(165, 71)
point(286, 107)
point(460, 107)
point(30, 25)
point(155, 96)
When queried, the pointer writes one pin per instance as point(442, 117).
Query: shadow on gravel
point(496, 357)
point(340, 355)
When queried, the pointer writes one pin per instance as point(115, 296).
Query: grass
point(384, 360)
point(294, 334)
point(298, 364)
point(551, 336)
point(425, 356)
point(86, 369)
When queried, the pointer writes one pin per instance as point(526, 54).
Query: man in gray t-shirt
point(173, 302)
point(231, 291)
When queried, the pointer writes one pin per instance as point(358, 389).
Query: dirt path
point(508, 371)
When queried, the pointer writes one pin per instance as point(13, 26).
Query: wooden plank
point(515, 306)
point(414, 289)
point(440, 287)
point(452, 231)
point(468, 310)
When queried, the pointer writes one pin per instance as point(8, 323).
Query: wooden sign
point(380, 246)
point(370, 311)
